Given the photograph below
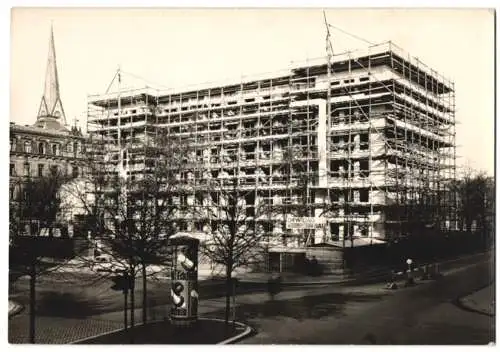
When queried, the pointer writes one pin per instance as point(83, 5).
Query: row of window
point(350, 80)
point(336, 229)
point(40, 170)
point(346, 231)
point(361, 195)
point(43, 147)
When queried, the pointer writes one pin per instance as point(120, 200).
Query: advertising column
point(184, 281)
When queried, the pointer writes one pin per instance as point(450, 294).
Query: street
point(325, 314)
point(84, 294)
point(424, 314)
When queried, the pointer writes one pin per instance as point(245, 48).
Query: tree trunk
point(125, 310)
point(234, 302)
point(32, 303)
point(228, 294)
point(132, 307)
point(144, 295)
point(132, 314)
point(132, 304)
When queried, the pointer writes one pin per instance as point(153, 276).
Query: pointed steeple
point(51, 106)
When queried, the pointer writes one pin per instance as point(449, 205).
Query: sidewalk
point(482, 301)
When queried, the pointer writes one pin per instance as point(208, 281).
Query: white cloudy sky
point(188, 46)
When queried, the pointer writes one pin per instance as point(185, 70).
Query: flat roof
point(282, 76)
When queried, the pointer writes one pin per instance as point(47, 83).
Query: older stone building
point(48, 143)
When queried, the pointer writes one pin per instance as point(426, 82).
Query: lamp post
point(409, 262)
point(409, 280)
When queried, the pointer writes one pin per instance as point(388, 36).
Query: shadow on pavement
point(309, 307)
point(62, 304)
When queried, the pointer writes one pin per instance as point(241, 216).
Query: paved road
point(81, 295)
point(424, 314)
point(327, 314)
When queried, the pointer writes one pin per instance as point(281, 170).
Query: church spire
point(51, 105)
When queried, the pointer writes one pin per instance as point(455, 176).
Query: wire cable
point(155, 84)
point(350, 34)
point(111, 83)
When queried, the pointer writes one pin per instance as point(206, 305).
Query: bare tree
point(132, 214)
point(475, 200)
point(235, 240)
point(153, 195)
point(110, 222)
point(100, 194)
point(35, 208)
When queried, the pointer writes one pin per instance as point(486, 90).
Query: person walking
point(273, 285)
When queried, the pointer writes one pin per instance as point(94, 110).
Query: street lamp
point(410, 281)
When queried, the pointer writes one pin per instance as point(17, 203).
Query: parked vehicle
point(105, 263)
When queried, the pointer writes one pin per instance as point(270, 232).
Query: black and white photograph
point(251, 176)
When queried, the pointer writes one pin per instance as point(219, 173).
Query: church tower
point(51, 113)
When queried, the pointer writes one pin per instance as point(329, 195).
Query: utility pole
point(329, 56)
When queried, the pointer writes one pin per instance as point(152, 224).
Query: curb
point(16, 309)
point(240, 336)
point(461, 302)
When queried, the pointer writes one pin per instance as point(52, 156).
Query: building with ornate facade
point(48, 143)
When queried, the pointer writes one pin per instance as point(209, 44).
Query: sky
point(180, 47)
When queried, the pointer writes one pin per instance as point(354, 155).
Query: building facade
point(360, 145)
point(47, 144)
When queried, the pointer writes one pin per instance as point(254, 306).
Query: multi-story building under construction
point(364, 142)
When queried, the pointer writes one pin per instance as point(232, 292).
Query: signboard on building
point(303, 223)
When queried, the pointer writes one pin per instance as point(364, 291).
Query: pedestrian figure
point(307, 266)
point(314, 266)
point(274, 286)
